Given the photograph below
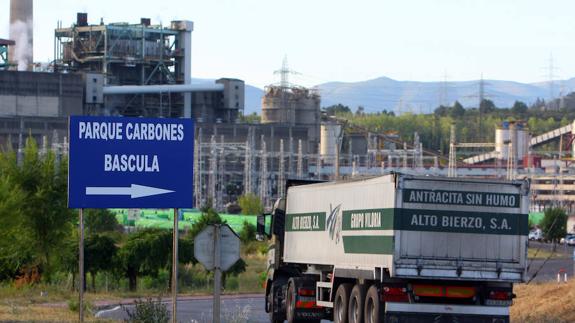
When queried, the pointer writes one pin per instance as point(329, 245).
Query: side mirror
point(263, 230)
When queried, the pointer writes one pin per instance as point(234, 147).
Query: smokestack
point(21, 31)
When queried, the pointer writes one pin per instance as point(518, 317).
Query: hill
point(419, 97)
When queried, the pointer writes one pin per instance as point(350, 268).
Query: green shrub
point(232, 283)
point(73, 305)
point(248, 232)
point(148, 311)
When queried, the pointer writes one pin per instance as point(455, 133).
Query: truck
point(396, 248)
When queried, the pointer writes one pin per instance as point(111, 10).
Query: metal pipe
point(166, 88)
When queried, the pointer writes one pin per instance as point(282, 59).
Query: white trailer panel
point(417, 227)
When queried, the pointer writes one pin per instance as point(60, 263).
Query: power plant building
point(293, 106)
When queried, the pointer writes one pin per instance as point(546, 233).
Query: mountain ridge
point(384, 93)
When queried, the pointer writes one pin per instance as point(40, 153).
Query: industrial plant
point(144, 69)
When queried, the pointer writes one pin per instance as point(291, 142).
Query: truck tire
point(274, 307)
point(290, 302)
point(341, 303)
point(356, 304)
point(373, 307)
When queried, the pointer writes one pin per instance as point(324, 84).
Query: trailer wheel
point(373, 307)
point(356, 304)
point(341, 303)
point(273, 302)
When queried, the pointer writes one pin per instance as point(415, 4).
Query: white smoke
point(21, 33)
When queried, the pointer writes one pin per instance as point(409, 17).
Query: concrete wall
point(40, 94)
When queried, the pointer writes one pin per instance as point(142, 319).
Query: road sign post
point(217, 247)
point(217, 274)
point(175, 267)
point(81, 265)
point(120, 162)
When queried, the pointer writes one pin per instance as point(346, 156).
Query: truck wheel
point(341, 302)
point(373, 307)
point(356, 304)
point(273, 302)
point(290, 302)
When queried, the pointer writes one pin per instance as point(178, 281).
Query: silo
point(501, 140)
point(21, 31)
point(278, 106)
point(329, 135)
point(523, 140)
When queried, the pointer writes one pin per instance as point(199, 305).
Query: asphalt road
point(199, 310)
point(250, 308)
point(545, 271)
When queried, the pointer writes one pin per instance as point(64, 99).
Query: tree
point(149, 250)
point(519, 108)
point(144, 253)
point(100, 252)
point(250, 118)
point(336, 109)
point(99, 221)
point(487, 106)
point(250, 204)
point(441, 111)
point(46, 219)
point(457, 110)
point(554, 224)
point(13, 245)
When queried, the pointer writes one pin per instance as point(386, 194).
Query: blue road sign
point(118, 162)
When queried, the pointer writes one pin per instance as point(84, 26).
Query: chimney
point(21, 31)
point(81, 19)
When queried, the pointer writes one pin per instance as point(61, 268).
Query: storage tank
point(501, 139)
point(516, 131)
point(21, 31)
point(523, 140)
point(278, 106)
point(329, 135)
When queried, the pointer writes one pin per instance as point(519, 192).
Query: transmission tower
point(551, 68)
point(281, 170)
point(510, 161)
point(443, 97)
point(198, 170)
point(299, 159)
point(219, 203)
point(213, 170)
point(264, 174)
point(248, 169)
point(452, 167)
point(284, 73)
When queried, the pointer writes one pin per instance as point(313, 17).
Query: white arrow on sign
point(135, 191)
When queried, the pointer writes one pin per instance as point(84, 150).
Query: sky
point(346, 41)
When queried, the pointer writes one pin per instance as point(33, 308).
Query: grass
point(51, 303)
point(544, 302)
point(536, 302)
point(542, 254)
point(38, 313)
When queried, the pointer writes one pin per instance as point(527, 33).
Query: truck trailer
point(396, 248)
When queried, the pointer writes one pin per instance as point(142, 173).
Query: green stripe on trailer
point(368, 219)
point(305, 221)
point(376, 244)
point(462, 222)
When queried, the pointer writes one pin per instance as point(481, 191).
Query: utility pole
point(452, 167)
